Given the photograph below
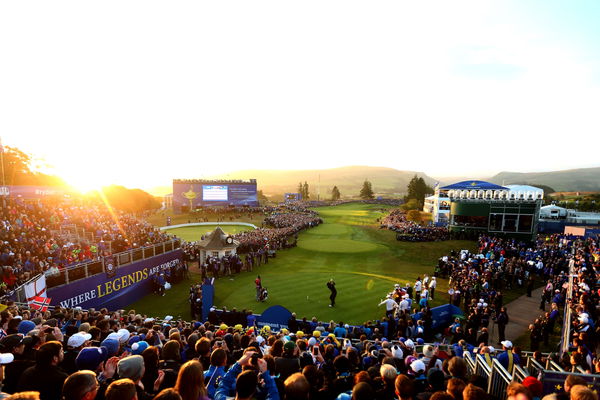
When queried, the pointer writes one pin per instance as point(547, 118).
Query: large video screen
point(189, 196)
point(214, 193)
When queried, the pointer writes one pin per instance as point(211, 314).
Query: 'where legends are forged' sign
point(130, 283)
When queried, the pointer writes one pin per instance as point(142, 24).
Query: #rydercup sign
point(129, 284)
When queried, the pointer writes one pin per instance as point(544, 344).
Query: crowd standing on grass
point(411, 231)
point(279, 228)
point(31, 242)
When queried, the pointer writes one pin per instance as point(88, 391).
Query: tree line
point(417, 190)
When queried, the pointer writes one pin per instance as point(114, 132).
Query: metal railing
point(566, 328)
point(534, 367)
point(470, 363)
point(553, 366)
point(481, 367)
point(519, 374)
point(499, 380)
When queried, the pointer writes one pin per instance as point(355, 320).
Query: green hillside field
point(365, 262)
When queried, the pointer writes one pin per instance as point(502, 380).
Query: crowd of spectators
point(280, 227)
point(31, 240)
point(411, 231)
point(75, 354)
point(584, 335)
point(476, 283)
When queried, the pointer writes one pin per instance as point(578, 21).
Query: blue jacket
point(504, 359)
point(228, 383)
point(212, 378)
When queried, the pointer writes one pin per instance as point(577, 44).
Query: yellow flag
point(3, 307)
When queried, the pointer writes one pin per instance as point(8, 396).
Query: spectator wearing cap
point(81, 385)
point(289, 362)
point(14, 345)
point(75, 343)
point(430, 358)
point(535, 387)
point(418, 369)
point(5, 358)
point(25, 327)
point(132, 367)
point(508, 359)
point(45, 376)
point(91, 358)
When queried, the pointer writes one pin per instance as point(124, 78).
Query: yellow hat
point(317, 334)
point(238, 327)
point(284, 331)
point(223, 327)
point(300, 334)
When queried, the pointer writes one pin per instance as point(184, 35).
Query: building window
point(496, 222)
point(525, 223)
point(476, 221)
point(510, 223)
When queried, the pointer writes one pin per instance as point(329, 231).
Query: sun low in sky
point(140, 92)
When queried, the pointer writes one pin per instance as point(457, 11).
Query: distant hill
point(349, 180)
point(582, 179)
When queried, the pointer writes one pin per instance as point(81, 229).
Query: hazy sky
point(140, 92)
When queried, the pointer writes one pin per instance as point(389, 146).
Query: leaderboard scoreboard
point(192, 194)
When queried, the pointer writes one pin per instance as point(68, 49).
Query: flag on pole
point(35, 291)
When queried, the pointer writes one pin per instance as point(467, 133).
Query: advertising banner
point(442, 315)
point(195, 195)
point(129, 284)
point(292, 197)
point(276, 317)
point(554, 381)
point(30, 192)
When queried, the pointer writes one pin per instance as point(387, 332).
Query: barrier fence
point(566, 329)
point(498, 378)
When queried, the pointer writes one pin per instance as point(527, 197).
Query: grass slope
point(349, 247)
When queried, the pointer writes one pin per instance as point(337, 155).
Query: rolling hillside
point(349, 180)
point(582, 179)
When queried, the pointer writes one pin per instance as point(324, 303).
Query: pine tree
point(418, 189)
point(366, 192)
point(335, 193)
point(305, 192)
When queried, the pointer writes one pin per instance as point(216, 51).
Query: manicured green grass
point(365, 262)
point(160, 218)
point(194, 233)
